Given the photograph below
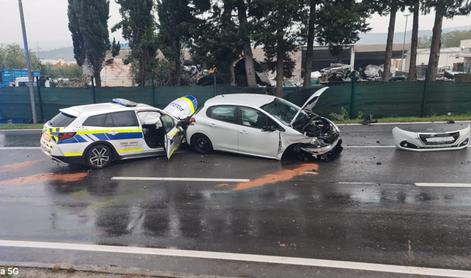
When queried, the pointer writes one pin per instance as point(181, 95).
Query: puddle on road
point(45, 177)
point(19, 166)
point(279, 176)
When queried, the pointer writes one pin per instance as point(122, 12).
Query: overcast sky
point(46, 23)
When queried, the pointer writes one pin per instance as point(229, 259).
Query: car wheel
point(201, 143)
point(98, 156)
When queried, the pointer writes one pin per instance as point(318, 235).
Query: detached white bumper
point(423, 141)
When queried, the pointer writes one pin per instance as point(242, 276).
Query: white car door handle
point(112, 132)
point(213, 125)
point(243, 132)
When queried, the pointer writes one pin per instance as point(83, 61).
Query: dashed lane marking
point(442, 184)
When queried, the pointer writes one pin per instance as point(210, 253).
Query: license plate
point(442, 140)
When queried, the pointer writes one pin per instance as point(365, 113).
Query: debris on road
point(431, 141)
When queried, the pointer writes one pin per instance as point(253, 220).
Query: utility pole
point(404, 45)
point(28, 63)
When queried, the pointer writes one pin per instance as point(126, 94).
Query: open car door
point(181, 109)
point(173, 140)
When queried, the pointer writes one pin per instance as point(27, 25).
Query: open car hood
point(182, 108)
point(310, 103)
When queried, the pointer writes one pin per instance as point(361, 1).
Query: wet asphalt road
point(362, 207)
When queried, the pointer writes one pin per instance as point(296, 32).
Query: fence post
point(40, 100)
point(153, 92)
point(93, 90)
point(214, 84)
point(352, 95)
point(422, 105)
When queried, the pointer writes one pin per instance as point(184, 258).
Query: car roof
point(253, 100)
point(100, 108)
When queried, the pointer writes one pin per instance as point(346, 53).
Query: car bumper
point(423, 142)
point(323, 150)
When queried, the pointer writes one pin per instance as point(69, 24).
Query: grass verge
point(21, 126)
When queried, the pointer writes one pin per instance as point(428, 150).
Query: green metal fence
point(382, 99)
point(392, 99)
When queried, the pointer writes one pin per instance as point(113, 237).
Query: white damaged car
point(264, 126)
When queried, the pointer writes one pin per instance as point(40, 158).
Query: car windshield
point(284, 111)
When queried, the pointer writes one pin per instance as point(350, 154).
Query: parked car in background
point(264, 126)
point(97, 134)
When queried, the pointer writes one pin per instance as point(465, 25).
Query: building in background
point(466, 54)
point(15, 77)
point(115, 72)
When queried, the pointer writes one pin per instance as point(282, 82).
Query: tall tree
point(310, 29)
point(443, 9)
point(115, 48)
point(215, 40)
point(335, 23)
point(245, 36)
point(88, 23)
point(415, 8)
point(390, 42)
point(12, 57)
point(348, 20)
point(139, 29)
point(175, 21)
point(279, 33)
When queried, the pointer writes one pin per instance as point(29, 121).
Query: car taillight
point(65, 135)
point(192, 121)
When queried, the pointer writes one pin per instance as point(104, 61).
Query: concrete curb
point(106, 270)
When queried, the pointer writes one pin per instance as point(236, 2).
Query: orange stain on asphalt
point(280, 176)
point(66, 178)
point(18, 166)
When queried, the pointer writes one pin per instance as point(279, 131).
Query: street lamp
point(28, 63)
point(404, 44)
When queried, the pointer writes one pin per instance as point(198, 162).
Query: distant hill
point(380, 38)
point(66, 53)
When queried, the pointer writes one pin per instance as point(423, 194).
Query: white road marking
point(178, 179)
point(370, 147)
point(442, 184)
point(371, 183)
point(20, 148)
point(411, 270)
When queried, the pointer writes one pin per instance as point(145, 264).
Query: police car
point(98, 134)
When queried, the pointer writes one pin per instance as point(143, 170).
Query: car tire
point(201, 143)
point(98, 156)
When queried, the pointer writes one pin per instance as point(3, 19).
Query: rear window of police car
point(61, 120)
